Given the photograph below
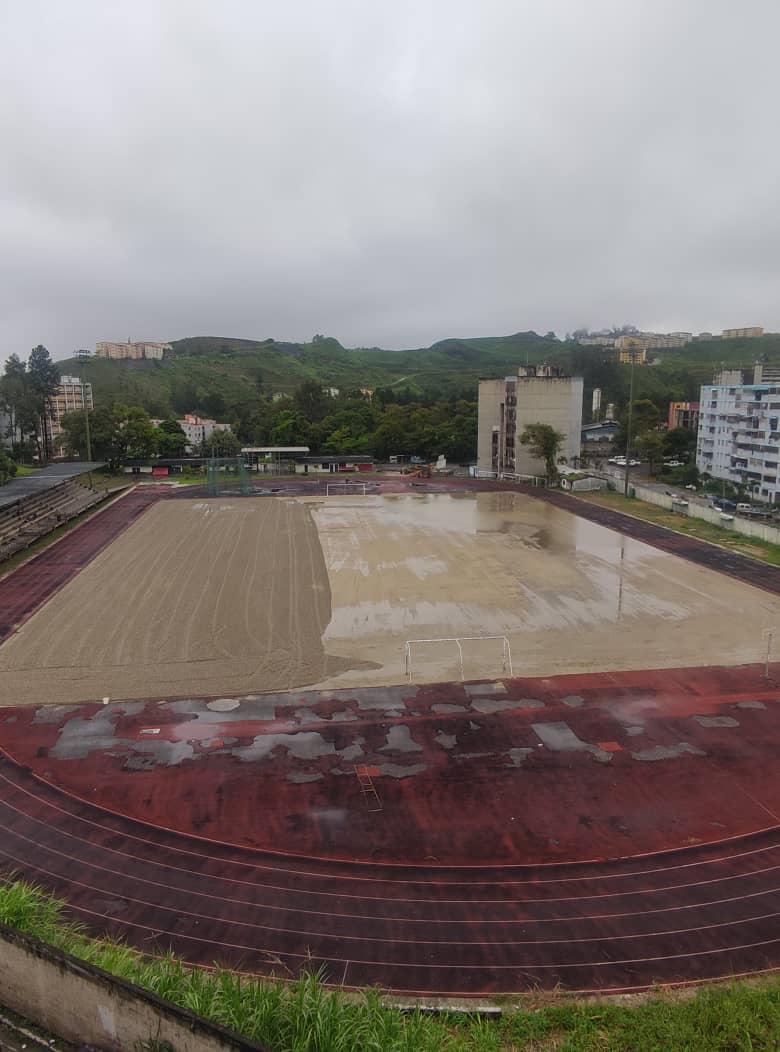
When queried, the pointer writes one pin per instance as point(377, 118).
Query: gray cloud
point(390, 173)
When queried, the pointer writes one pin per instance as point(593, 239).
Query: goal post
point(456, 645)
point(227, 476)
point(346, 487)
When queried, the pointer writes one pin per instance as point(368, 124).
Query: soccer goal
point(227, 476)
point(455, 644)
point(345, 487)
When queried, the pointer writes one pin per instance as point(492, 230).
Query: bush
point(7, 467)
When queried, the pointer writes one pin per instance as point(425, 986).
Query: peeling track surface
point(680, 917)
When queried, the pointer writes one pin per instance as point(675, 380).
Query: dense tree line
point(26, 392)
point(120, 433)
point(383, 424)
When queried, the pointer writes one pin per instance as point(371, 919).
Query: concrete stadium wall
point(86, 1005)
point(697, 511)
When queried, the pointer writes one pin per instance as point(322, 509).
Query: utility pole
point(86, 429)
point(628, 425)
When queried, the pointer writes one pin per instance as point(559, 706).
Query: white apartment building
point(539, 394)
point(739, 430)
point(197, 429)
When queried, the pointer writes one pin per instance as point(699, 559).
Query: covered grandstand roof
point(46, 478)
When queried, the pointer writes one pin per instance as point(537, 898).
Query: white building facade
point(539, 394)
point(739, 430)
point(198, 428)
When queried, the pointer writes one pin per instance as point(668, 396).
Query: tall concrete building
point(539, 394)
point(739, 429)
point(71, 395)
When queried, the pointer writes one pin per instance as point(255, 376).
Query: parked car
point(691, 487)
point(673, 463)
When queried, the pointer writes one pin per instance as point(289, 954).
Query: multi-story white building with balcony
point(739, 430)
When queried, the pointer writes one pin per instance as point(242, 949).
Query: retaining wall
point(748, 527)
point(86, 1005)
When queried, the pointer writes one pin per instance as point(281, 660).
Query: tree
point(7, 467)
point(170, 439)
point(650, 447)
point(43, 378)
point(104, 429)
point(136, 433)
point(644, 417)
point(310, 402)
point(544, 443)
point(15, 399)
point(680, 442)
point(221, 444)
point(289, 429)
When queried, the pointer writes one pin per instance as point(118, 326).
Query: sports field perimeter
point(275, 593)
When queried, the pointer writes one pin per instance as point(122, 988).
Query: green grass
point(303, 1016)
point(705, 531)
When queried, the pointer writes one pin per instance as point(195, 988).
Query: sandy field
point(196, 596)
point(570, 595)
point(220, 597)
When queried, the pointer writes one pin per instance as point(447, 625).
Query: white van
point(744, 508)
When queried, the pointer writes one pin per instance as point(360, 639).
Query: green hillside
point(215, 375)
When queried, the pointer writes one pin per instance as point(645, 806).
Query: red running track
point(680, 917)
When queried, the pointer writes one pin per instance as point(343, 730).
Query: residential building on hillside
point(197, 429)
point(70, 396)
point(631, 350)
point(651, 340)
point(539, 394)
point(751, 332)
point(739, 430)
point(683, 414)
point(596, 339)
point(137, 349)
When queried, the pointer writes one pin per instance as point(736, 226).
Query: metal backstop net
point(227, 476)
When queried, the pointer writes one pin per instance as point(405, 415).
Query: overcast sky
point(390, 172)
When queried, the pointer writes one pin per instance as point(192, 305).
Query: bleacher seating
point(33, 517)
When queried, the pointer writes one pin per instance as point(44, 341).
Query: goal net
point(340, 488)
point(227, 476)
point(474, 657)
